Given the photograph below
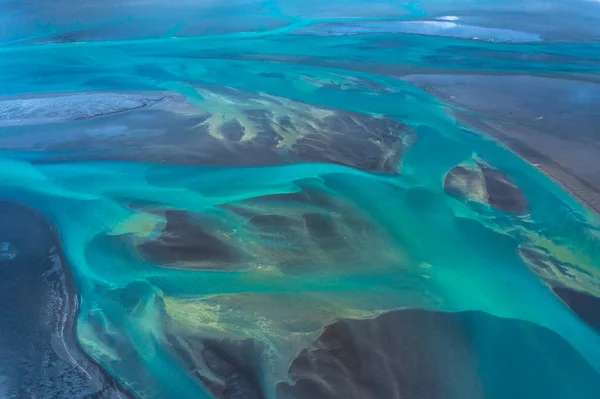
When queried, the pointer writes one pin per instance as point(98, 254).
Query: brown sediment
point(233, 128)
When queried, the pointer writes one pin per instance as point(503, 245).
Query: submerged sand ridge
point(229, 127)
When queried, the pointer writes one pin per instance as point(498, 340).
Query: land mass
point(552, 123)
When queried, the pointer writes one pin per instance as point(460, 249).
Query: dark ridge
point(232, 130)
point(360, 141)
point(586, 306)
point(157, 134)
point(40, 356)
point(311, 222)
point(273, 224)
point(285, 122)
point(183, 239)
point(501, 192)
point(322, 229)
point(227, 368)
point(239, 382)
point(419, 354)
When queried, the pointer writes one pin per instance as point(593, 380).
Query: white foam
point(450, 18)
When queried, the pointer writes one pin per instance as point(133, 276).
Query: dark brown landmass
point(551, 122)
point(310, 230)
point(479, 182)
point(184, 240)
point(434, 355)
point(229, 369)
point(230, 128)
point(401, 354)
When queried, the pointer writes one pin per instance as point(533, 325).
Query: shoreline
point(558, 139)
point(570, 183)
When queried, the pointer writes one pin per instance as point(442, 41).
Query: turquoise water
point(407, 243)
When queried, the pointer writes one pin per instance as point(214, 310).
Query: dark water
point(274, 199)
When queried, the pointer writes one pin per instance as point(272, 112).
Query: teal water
point(407, 243)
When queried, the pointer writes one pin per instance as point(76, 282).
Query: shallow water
point(222, 194)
